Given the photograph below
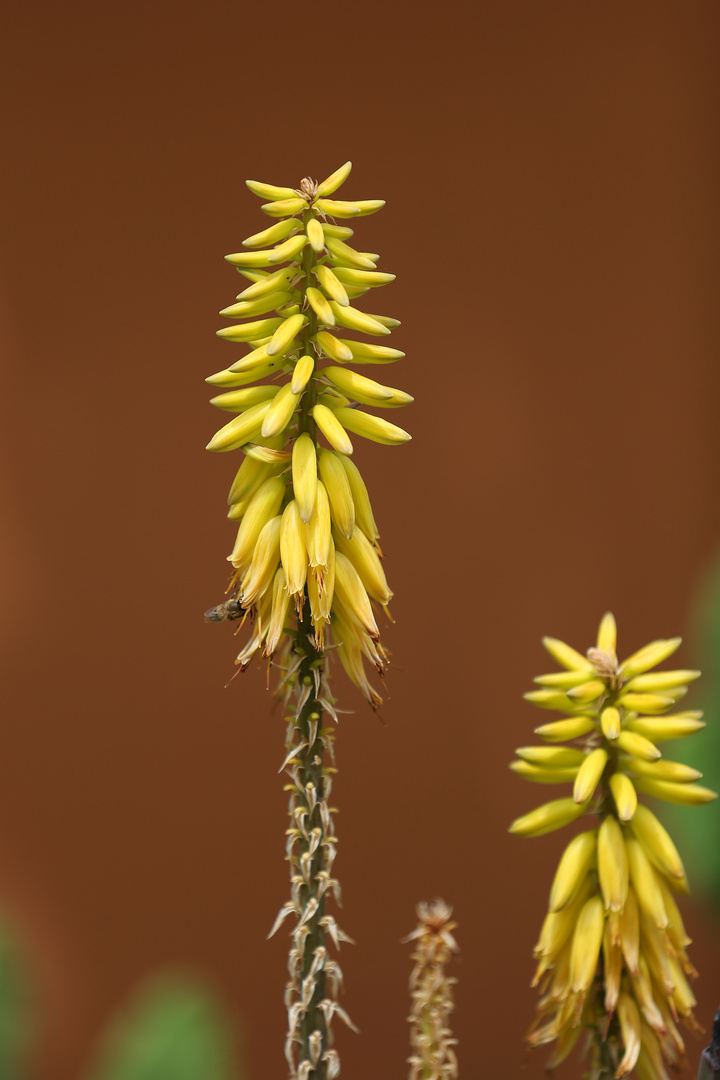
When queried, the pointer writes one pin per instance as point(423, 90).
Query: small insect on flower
point(221, 612)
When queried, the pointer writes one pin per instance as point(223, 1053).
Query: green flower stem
point(312, 840)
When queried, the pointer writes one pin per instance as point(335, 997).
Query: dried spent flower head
point(612, 950)
point(433, 1056)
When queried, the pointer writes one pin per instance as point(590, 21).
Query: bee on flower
point(612, 950)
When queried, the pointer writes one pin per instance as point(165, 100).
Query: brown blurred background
point(551, 175)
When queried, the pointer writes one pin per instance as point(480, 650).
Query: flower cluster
point(306, 527)
point(612, 950)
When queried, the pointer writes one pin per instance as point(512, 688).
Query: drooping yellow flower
point(612, 949)
point(302, 506)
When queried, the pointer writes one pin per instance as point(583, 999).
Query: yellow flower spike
point(304, 475)
point(332, 429)
point(612, 864)
point(320, 306)
point(278, 415)
point(263, 506)
point(293, 554)
point(589, 774)
point(607, 633)
point(334, 181)
point(302, 373)
point(587, 941)
point(364, 558)
point(573, 868)
point(370, 427)
point(264, 563)
point(335, 479)
point(573, 727)
point(610, 723)
point(292, 294)
point(624, 794)
point(627, 903)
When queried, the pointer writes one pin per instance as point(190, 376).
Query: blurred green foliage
point(696, 830)
point(15, 1007)
point(172, 1029)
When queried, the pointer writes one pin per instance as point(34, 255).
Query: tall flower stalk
point(612, 954)
point(307, 567)
point(433, 1046)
